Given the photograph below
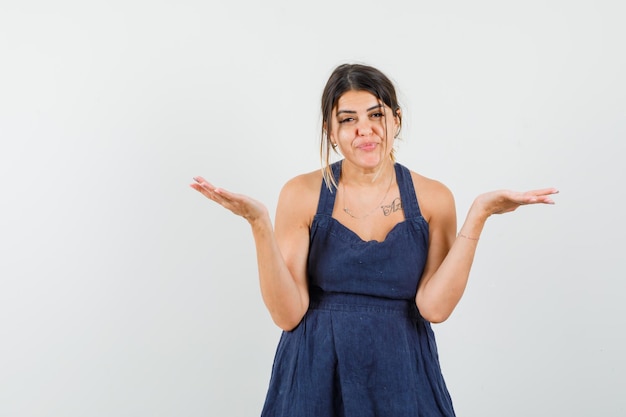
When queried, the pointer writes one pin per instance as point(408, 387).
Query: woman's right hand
point(241, 205)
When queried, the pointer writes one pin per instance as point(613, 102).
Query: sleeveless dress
point(362, 349)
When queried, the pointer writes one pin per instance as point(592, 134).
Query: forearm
point(286, 302)
point(440, 293)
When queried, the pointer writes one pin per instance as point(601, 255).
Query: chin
point(372, 161)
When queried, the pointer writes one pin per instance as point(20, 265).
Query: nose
point(364, 128)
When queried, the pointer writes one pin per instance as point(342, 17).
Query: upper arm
point(294, 213)
point(438, 208)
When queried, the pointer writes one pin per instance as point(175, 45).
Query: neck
point(358, 177)
point(366, 191)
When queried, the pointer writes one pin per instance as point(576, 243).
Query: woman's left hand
point(504, 201)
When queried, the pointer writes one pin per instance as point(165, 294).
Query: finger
point(226, 198)
point(206, 189)
point(544, 191)
point(228, 195)
point(210, 190)
point(537, 199)
point(213, 189)
point(204, 183)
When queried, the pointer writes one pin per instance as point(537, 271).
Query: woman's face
point(363, 129)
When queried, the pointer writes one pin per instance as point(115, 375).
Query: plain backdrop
point(123, 292)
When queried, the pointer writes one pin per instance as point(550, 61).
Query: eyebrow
point(377, 106)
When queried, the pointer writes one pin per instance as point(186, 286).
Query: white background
point(125, 293)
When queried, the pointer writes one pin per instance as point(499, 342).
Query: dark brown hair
point(352, 77)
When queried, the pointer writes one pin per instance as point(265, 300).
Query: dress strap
point(407, 192)
point(327, 197)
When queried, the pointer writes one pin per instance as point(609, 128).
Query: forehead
point(356, 100)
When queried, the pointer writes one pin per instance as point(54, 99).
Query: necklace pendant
point(349, 213)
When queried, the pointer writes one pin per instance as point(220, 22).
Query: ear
point(331, 134)
point(398, 121)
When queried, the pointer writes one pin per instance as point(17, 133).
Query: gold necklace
point(349, 212)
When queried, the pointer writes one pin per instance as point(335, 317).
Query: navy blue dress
point(362, 349)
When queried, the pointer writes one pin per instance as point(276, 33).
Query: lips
point(368, 146)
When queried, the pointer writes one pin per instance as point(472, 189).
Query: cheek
point(391, 128)
point(344, 133)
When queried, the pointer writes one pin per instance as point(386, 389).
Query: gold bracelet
point(467, 237)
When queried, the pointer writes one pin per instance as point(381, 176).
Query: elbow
point(288, 315)
point(435, 317)
point(433, 313)
point(286, 324)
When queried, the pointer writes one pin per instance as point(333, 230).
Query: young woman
point(364, 255)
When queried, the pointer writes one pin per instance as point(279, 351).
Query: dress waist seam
point(363, 304)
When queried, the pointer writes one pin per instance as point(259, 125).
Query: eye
point(377, 115)
point(346, 120)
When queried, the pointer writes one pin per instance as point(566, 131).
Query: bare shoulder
point(300, 195)
point(433, 196)
point(304, 188)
